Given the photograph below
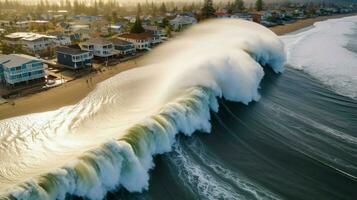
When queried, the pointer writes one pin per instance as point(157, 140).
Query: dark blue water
point(298, 142)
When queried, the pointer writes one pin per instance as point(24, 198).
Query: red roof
point(137, 36)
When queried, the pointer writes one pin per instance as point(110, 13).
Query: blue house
point(74, 58)
point(18, 68)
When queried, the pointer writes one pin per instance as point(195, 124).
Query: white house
point(33, 42)
point(5, 24)
point(155, 30)
point(99, 47)
point(23, 25)
point(141, 41)
point(182, 21)
point(38, 42)
point(17, 68)
point(115, 28)
point(61, 39)
point(83, 30)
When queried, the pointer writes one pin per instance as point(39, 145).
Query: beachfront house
point(61, 39)
point(125, 48)
point(155, 30)
point(73, 58)
point(20, 68)
point(141, 41)
point(99, 47)
point(115, 28)
point(32, 42)
point(181, 22)
point(5, 24)
point(83, 30)
point(22, 25)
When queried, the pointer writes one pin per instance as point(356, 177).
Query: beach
point(72, 92)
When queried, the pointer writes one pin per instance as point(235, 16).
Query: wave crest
point(108, 140)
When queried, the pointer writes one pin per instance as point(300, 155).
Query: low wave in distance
point(108, 140)
point(323, 52)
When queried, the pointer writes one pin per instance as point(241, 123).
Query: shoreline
point(72, 92)
point(304, 23)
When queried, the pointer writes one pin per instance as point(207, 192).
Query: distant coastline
point(72, 92)
point(300, 24)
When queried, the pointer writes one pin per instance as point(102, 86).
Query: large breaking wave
point(108, 140)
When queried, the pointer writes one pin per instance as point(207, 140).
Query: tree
point(153, 9)
point(163, 9)
point(259, 4)
point(139, 9)
point(165, 22)
point(137, 27)
point(115, 17)
point(8, 49)
point(76, 7)
point(94, 10)
point(168, 31)
point(239, 5)
point(208, 11)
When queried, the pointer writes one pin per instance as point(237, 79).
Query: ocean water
point(273, 133)
point(328, 53)
point(299, 141)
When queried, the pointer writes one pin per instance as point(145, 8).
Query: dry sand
point(300, 24)
point(72, 92)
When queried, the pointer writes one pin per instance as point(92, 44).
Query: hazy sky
point(216, 1)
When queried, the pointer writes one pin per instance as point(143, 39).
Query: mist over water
point(108, 140)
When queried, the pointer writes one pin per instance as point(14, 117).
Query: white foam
point(109, 138)
point(320, 52)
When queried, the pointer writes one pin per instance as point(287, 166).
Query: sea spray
point(108, 140)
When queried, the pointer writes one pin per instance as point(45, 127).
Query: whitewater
point(108, 140)
point(324, 52)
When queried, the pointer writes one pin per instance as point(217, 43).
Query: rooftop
point(137, 36)
point(98, 40)
point(70, 50)
point(28, 36)
point(14, 60)
point(120, 42)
